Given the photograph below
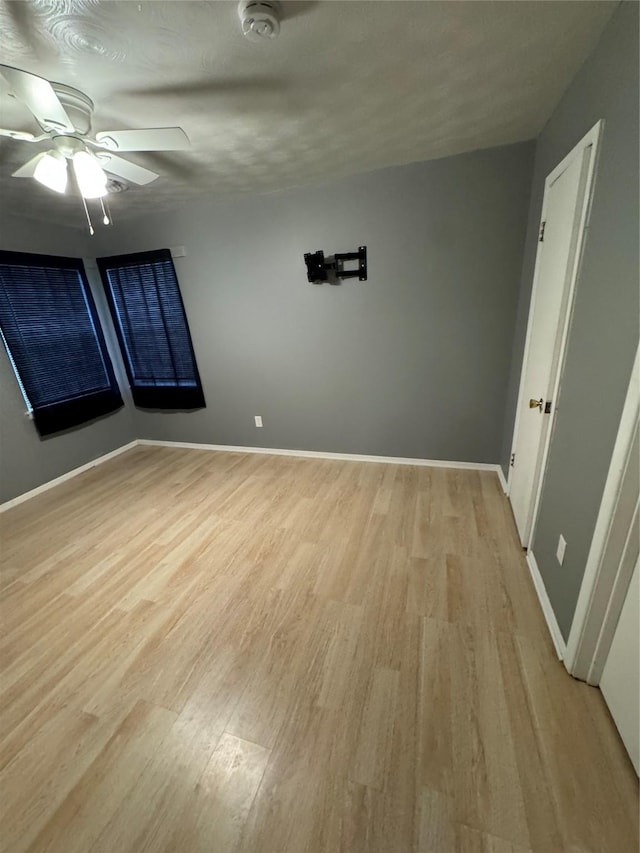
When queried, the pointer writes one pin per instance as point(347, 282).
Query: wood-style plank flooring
point(222, 652)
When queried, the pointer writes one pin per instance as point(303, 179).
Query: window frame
point(165, 396)
point(75, 410)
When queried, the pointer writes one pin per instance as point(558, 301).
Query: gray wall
point(414, 362)
point(604, 331)
point(26, 460)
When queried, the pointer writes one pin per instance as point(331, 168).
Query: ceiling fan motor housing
point(68, 145)
point(260, 19)
point(77, 105)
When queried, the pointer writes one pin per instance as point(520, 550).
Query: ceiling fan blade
point(254, 86)
point(125, 169)
point(29, 168)
point(149, 139)
point(22, 135)
point(38, 95)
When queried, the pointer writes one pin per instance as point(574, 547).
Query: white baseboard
point(318, 454)
point(270, 451)
point(547, 609)
point(61, 479)
point(501, 477)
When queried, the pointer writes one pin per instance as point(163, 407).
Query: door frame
point(591, 139)
point(610, 560)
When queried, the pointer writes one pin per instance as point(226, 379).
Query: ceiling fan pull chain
point(86, 211)
point(106, 219)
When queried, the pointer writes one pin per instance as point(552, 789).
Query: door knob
point(536, 404)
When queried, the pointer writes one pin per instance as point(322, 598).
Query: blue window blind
point(55, 342)
point(147, 310)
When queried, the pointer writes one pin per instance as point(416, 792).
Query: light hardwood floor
point(221, 652)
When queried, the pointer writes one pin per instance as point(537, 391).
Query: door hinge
point(513, 460)
point(541, 240)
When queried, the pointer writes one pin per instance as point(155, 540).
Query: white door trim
point(591, 139)
point(606, 575)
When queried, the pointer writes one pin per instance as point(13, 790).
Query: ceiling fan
point(64, 114)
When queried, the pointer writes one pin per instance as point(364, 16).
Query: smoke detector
point(260, 19)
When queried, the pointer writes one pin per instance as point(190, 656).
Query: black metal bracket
point(318, 268)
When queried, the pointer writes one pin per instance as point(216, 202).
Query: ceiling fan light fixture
point(64, 114)
point(91, 177)
point(51, 171)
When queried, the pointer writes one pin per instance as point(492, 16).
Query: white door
point(563, 221)
point(620, 682)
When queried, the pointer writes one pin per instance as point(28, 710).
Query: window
point(55, 344)
point(145, 302)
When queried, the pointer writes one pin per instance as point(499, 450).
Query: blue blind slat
point(146, 305)
point(47, 323)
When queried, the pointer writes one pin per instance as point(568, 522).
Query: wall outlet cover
point(258, 420)
point(562, 545)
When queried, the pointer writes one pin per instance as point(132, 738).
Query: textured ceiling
point(346, 88)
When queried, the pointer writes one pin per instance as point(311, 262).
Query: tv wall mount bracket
point(320, 269)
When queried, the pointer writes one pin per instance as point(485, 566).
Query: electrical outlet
point(258, 420)
point(562, 545)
